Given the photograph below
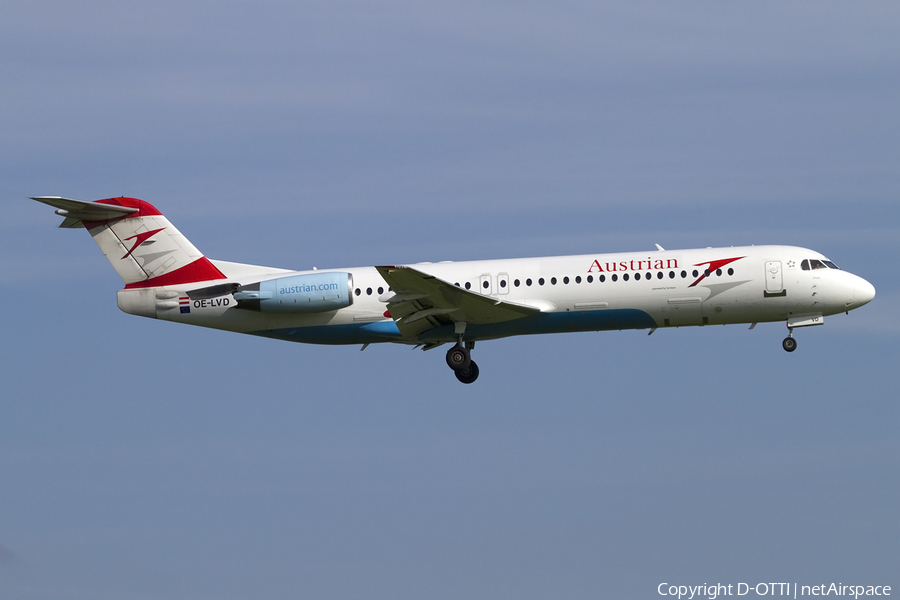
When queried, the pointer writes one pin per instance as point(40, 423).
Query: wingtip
point(54, 201)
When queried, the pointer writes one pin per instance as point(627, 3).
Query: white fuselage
point(591, 292)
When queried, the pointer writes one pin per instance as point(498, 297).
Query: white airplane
point(459, 303)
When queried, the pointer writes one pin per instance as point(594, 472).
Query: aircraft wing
point(419, 302)
point(76, 211)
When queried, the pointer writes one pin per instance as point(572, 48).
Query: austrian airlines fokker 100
point(459, 303)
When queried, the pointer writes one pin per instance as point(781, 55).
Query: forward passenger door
point(774, 277)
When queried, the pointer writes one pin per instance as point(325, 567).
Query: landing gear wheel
point(789, 344)
point(469, 374)
point(458, 358)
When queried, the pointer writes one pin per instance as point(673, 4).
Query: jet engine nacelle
point(310, 293)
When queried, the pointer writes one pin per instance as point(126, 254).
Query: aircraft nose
point(863, 292)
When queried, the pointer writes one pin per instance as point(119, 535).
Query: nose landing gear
point(460, 360)
point(789, 343)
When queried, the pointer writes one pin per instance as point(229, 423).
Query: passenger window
point(614, 277)
point(516, 283)
point(637, 276)
point(553, 280)
point(566, 280)
point(578, 279)
point(468, 286)
point(380, 290)
point(528, 282)
point(368, 291)
point(590, 279)
point(541, 281)
point(602, 278)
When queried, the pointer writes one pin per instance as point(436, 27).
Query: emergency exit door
point(503, 283)
point(484, 282)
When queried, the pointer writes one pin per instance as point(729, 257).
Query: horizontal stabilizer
point(78, 211)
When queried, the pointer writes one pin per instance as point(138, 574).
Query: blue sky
point(142, 460)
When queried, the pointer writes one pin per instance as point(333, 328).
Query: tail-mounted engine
point(311, 293)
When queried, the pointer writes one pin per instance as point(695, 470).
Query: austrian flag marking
point(184, 303)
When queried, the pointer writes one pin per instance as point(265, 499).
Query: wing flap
point(422, 302)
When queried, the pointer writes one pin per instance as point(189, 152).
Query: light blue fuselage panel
point(386, 331)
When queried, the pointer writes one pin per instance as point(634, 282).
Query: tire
point(469, 374)
point(458, 358)
point(789, 344)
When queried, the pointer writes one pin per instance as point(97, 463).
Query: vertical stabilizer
point(145, 249)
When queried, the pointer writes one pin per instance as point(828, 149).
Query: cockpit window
point(811, 264)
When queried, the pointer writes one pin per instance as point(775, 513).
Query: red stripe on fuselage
point(199, 270)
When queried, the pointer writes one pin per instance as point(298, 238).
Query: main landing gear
point(789, 343)
point(460, 360)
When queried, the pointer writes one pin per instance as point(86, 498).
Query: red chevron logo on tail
point(140, 239)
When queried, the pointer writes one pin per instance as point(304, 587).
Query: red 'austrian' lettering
point(633, 265)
